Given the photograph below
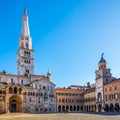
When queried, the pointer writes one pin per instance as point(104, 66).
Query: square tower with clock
point(103, 76)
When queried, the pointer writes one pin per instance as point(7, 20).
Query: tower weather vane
point(102, 55)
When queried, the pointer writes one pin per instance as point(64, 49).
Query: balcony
point(99, 100)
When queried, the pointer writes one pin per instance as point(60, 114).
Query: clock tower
point(103, 76)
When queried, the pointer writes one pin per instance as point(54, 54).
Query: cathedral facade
point(26, 92)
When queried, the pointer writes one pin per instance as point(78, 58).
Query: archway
point(87, 108)
point(15, 104)
point(111, 107)
point(99, 97)
point(59, 108)
point(74, 108)
point(94, 108)
point(99, 108)
point(78, 108)
point(67, 108)
point(117, 107)
point(63, 108)
point(106, 107)
point(91, 108)
point(71, 109)
point(81, 108)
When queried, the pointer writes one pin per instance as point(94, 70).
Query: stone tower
point(103, 76)
point(25, 52)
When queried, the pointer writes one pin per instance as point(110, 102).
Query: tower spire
point(25, 11)
point(25, 27)
point(102, 62)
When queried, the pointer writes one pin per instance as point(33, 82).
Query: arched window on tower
point(27, 71)
point(27, 45)
point(22, 45)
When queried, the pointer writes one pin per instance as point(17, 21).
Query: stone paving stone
point(60, 116)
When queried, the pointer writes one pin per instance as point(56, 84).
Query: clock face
point(99, 83)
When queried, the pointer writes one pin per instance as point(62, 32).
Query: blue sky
point(68, 37)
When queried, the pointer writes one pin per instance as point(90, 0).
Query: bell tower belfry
point(25, 53)
point(103, 76)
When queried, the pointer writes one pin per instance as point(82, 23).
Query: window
point(20, 90)
point(10, 90)
point(35, 86)
point(44, 87)
point(30, 99)
point(106, 97)
point(21, 81)
point(99, 96)
point(106, 80)
point(115, 87)
point(51, 88)
point(116, 95)
point(45, 96)
point(27, 45)
point(15, 90)
point(11, 80)
point(59, 100)
point(105, 89)
point(110, 89)
point(110, 97)
point(63, 100)
point(39, 86)
point(27, 71)
point(22, 45)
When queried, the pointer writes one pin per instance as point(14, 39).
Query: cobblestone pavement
point(61, 116)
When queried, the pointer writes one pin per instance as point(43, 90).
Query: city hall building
point(103, 95)
point(26, 92)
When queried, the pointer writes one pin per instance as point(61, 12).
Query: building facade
point(69, 100)
point(103, 95)
point(26, 92)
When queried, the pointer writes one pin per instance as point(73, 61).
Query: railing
point(99, 100)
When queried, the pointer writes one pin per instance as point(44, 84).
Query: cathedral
point(26, 92)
